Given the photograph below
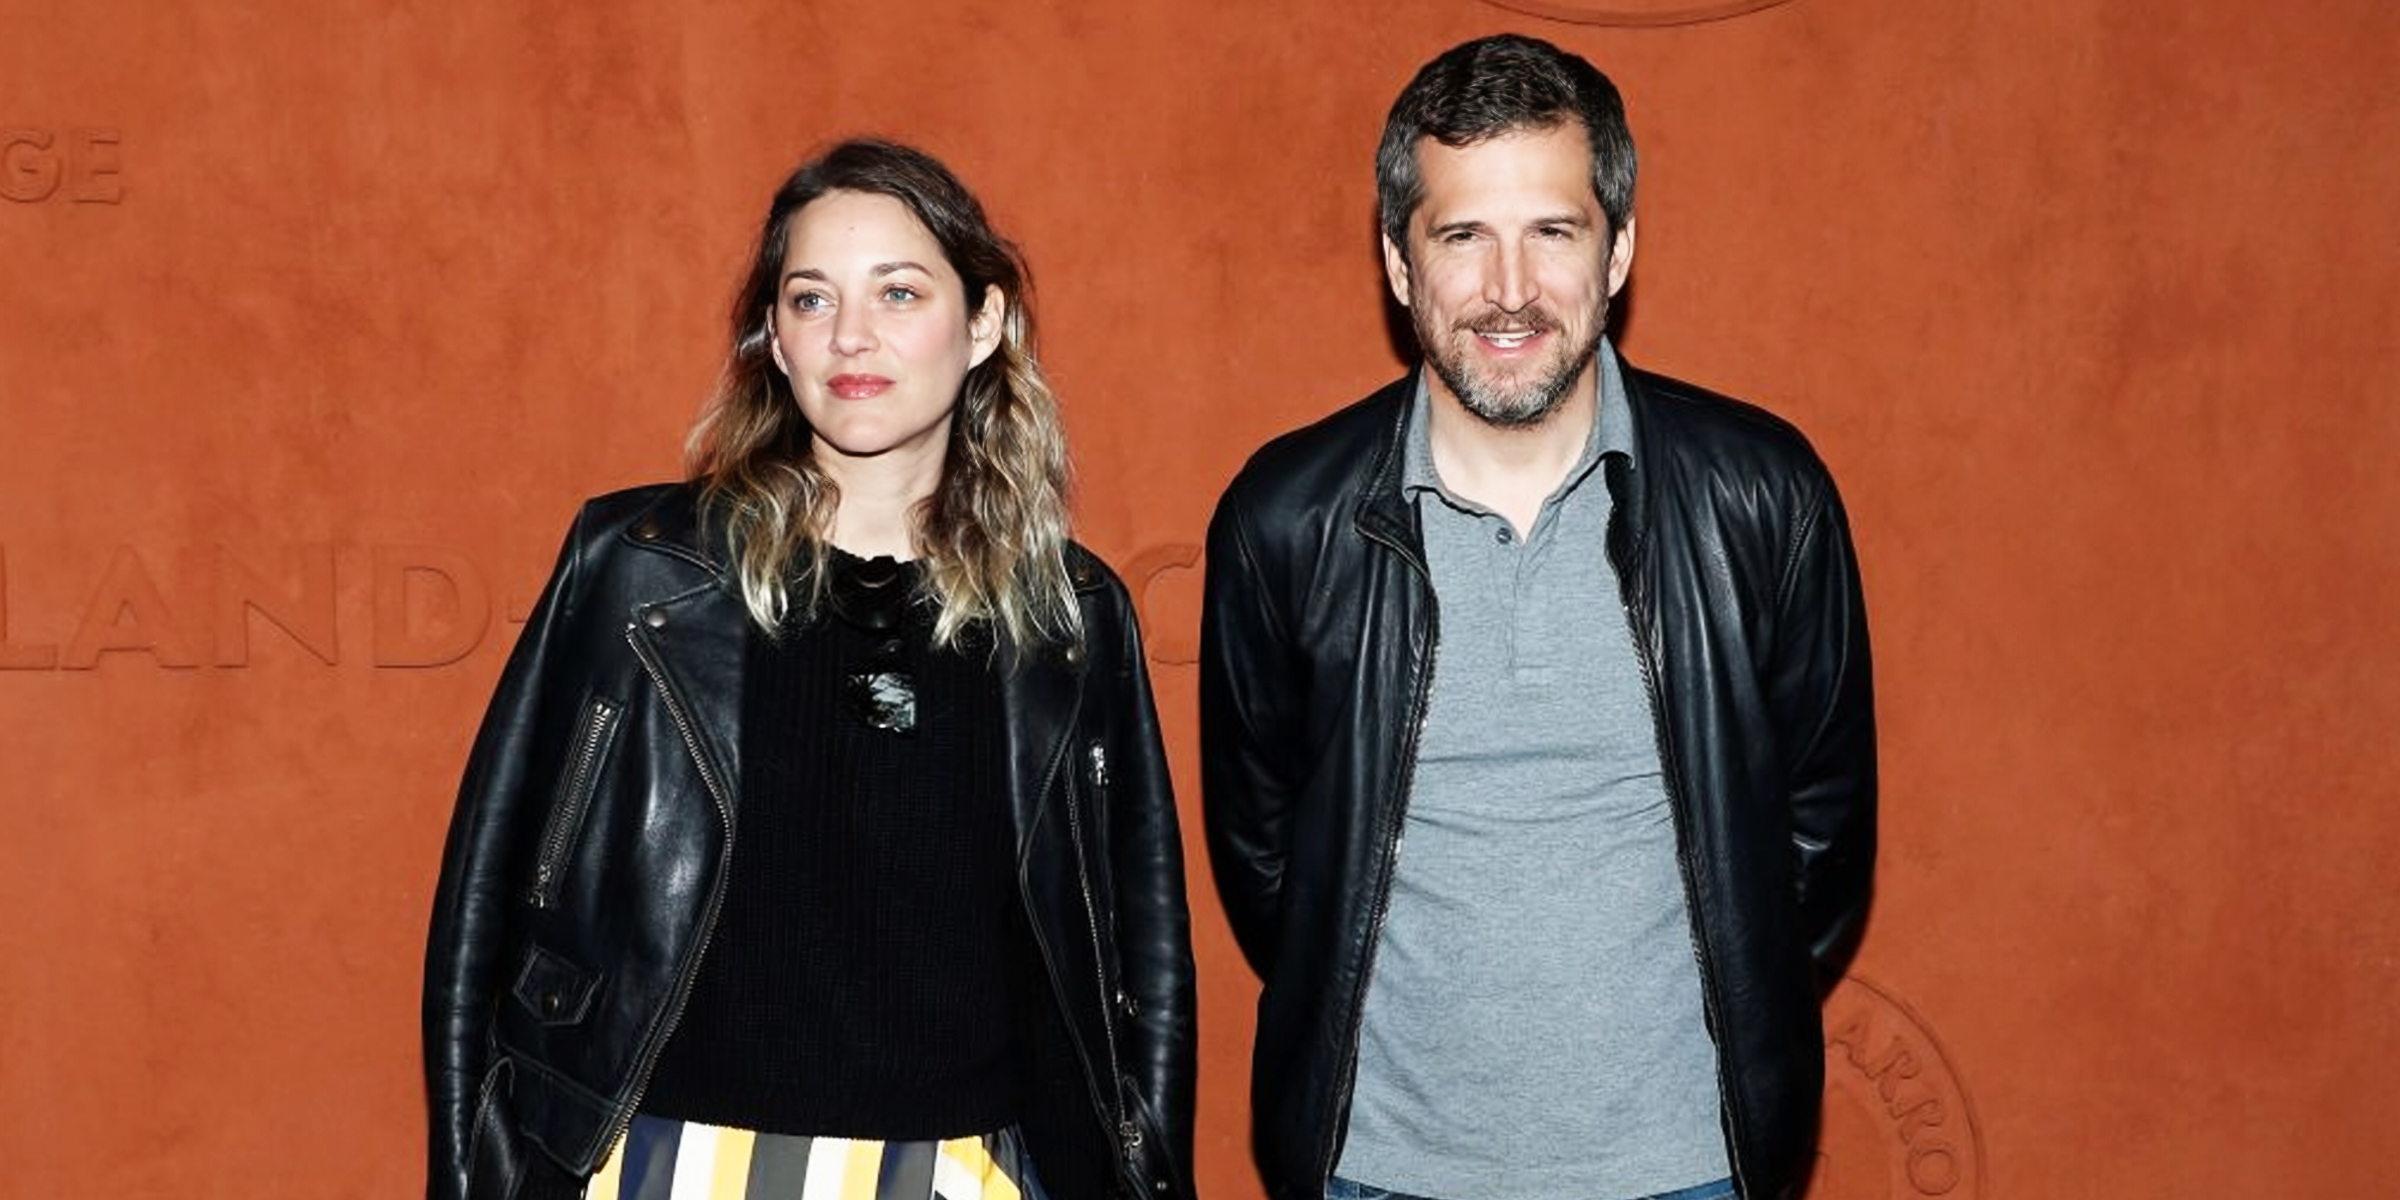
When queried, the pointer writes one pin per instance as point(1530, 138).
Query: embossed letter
point(1897, 1066)
point(1142, 573)
point(434, 623)
point(1851, 1036)
point(1911, 1122)
point(305, 613)
point(127, 592)
point(1933, 1169)
point(92, 160)
point(15, 657)
point(28, 169)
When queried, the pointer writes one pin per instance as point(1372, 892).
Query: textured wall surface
point(316, 319)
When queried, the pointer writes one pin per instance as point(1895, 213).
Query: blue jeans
point(1339, 1188)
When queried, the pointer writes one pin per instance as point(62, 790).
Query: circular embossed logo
point(1898, 1124)
point(1625, 13)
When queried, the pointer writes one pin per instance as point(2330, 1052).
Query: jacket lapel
point(1039, 697)
point(692, 635)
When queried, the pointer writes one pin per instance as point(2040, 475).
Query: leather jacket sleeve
point(1820, 682)
point(470, 1143)
point(1251, 734)
point(1158, 1001)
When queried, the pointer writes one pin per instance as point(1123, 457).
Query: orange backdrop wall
point(316, 319)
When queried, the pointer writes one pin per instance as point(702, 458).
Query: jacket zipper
point(716, 898)
point(1638, 621)
point(1108, 1103)
point(599, 722)
point(1421, 707)
point(1129, 1135)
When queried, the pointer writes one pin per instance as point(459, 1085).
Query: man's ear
point(1620, 258)
point(1395, 270)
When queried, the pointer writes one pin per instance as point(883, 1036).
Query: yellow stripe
point(997, 1185)
point(862, 1171)
point(606, 1181)
point(732, 1181)
point(969, 1157)
point(958, 1171)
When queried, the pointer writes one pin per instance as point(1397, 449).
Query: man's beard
point(1492, 400)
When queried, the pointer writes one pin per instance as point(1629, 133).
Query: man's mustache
point(1532, 319)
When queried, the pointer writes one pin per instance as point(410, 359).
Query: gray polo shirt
point(1533, 1028)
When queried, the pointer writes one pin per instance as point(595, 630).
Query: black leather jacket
point(586, 862)
point(1317, 656)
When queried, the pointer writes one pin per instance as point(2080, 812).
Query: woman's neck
point(880, 497)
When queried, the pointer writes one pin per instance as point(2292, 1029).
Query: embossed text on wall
point(385, 605)
point(79, 165)
point(1898, 1119)
point(1636, 14)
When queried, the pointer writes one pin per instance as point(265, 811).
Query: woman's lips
point(857, 387)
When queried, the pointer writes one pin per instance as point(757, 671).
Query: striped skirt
point(664, 1159)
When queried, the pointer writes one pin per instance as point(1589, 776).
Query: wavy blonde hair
point(993, 535)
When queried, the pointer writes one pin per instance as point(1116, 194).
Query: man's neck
point(1510, 469)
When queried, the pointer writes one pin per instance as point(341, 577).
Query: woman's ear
point(775, 346)
point(987, 325)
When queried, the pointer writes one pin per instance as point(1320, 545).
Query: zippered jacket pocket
point(594, 730)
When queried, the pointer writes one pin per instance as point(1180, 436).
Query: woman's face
point(875, 331)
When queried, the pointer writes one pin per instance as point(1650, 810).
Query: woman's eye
point(807, 302)
point(899, 294)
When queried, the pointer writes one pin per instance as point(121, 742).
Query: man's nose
point(1511, 286)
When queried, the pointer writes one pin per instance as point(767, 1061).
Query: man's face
point(1509, 271)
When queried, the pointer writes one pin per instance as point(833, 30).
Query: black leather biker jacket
point(1318, 645)
point(586, 861)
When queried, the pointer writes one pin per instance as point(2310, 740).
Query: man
point(1538, 738)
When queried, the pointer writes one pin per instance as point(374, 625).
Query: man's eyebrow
point(1469, 225)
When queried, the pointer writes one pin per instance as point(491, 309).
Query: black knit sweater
point(861, 978)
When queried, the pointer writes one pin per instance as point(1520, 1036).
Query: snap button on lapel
point(655, 616)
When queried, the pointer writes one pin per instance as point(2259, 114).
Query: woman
point(819, 830)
